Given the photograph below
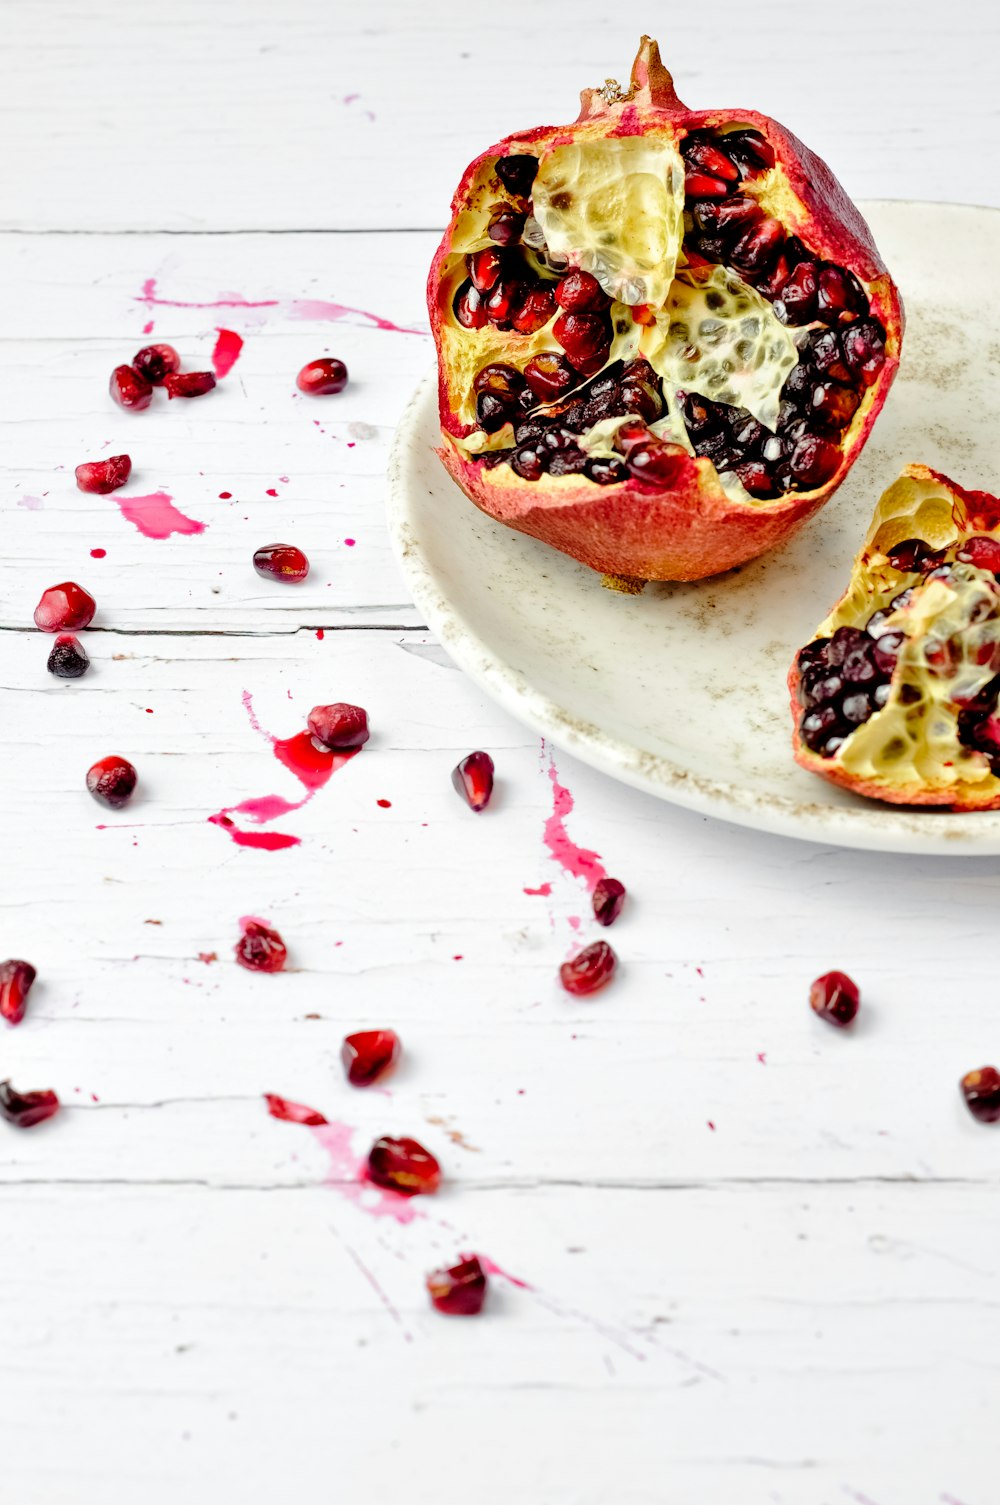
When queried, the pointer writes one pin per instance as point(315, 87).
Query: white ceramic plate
point(681, 691)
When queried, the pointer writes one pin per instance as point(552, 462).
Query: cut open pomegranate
point(663, 335)
point(16, 978)
point(65, 608)
point(369, 1055)
point(24, 1109)
point(898, 694)
point(403, 1165)
point(112, 781)
point(460, 1290)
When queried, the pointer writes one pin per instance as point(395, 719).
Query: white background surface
point(762, 1255)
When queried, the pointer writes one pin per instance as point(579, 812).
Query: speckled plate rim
point(862, 824)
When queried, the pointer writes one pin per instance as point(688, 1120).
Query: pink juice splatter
point(577, 861)
point(151, 299)
point(347, 1173)
point(318, 308)
point(226, 352)
point(156, 516)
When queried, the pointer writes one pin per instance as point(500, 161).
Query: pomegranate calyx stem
point(651, 86)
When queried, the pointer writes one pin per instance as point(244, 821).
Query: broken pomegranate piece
point(68, 659)
point(590, 970)
point(155, 362)
point(473, 778)
point(323, 377)
point(731, 298)
point(370, 1054)
point(981, 1090)
point(16, 978)
point(607, 899)
point(130, 390)
point(459, 1291)
point(835, 997)
point(293, 1113)
point(24, 1109)
point(339, 727)
point(103, 476)
point(403, 1165)
point(66, 607)
point(189, 383)
point(281, 561)
point(260, 949)
point(112, 781)
point(896, 697)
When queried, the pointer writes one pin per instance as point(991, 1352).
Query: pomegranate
point(102, 476)
point(898, 695)
point(403, 1165)
point(16, 979)
point(459, 1291)
point(696, 277)
point(338, 727)
point(26, 1108)
point(68, 659)
point(112, 781)
point(155, 362)
point(66, 606)
point(281, 561)
point(473, 778)
point(607, 899)
point(260, 949)
point(981, 1090)
point(591, 969)
point(370, 1054)
point(835, 997)
point(189, 383)
point(322, 378)
point(129, 389)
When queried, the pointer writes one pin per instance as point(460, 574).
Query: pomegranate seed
point(771, 285)
point(459, 1291)
point(517, 174)
point(535, 312)
point(584, 337)
point(528, 464)
point(112, 781)
point(631, 435)
point(824, 350)
point(834, 404)
point(66, 606)
point(656, 463)
point(403, 1165)
point(68, 659)
point(339, 726)
point(369, 1055)
point(607, 899)
point(15, 985)
point(549, 375)
point(864, 349)
point(750, 149)
point(835, 997)
point(189, 383)
point(756, 250)
point(591, 970)
point(473, 778)
point(701, 185)
point(154, 362)
point(984, 553)
point(293, 1113)
point(505, 225)
point(129, 389)
point(492, 412)
point(503, 300)
point(26, 1108)
point(738, 213)
point(710, 159)
point(607, 471)
point(485, 268)
point(260, 949)
point(756, 478)
point(579, 292)
point(981, 1090)
point(102, 476)
point(797, 304)
point(840, 294)
point(323, 377)
point(501, 380)
point(469, 308)
point(281, 561)
point(814, 461)
point(913, 556)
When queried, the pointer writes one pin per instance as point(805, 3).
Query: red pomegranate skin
point(693, 529)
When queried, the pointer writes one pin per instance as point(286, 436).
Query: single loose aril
point(322, 378)
point(68, 659)
point(103, 476)
point(608, 898)
point(16, 978)
point(23, 1109)
point(403, 1165)
point(189, 383)
point(981, 1090)
point(589, 971)
point(459, 1291)
point(281, 561)
point(112, 781)
point(130, 390)
point(835, 997)
point(65, 607)
point(293, 1113)
point(260, 949)
point(339, 727)
point(473, 778)
point(370, 1054)
point(156, 362)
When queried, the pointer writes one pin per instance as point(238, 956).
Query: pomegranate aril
point(984, 553)
point(631, 435)
point(112, 781)
point(492, 412)
point(584, 337)
point(700, 185)
point(339, 727)
point(580, 292)
point(484, 268)
point(129, 389)
point(568, 461)
point(500, 379)
point(503, 300)
point(24, 1109)
point(517, 173)
point(322, 377)
point(797, 304)
point(16, 978)
point(749, 149)
point(755, 251)
point(840, 296)
point(189, 383)
point(68, 659)
point(260, 949)
point(864, 349)
point(834, 404)
point(912, 556)
point(835, 997)
point(710, 158)
point(529, 463)
point(639, 397)
point(403, 1165)
point(549, 375)
point(535, 311)
point(590, 970)
point(370, 1054)
point(281, 561)
point(293, 1113)
point(103, 476)
point(981, 1090)
point(460, 1290)
point(823, 349)
point(735, 214)
point(505, 226)
point(886, 650)
point(607, 899)
point(606, 472)
point(154, 362)
point(756, 478)
point(770, 285)
point(473, 778)
point(814, 461)
point(659, 464)
point(65, 607)
point(469, 307)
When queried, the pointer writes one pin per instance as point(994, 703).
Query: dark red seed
point(750, 149)
point(633, 435)
point(981, 1090)
point(824, 350)
point(814, 461)
point(103, 476)
point(658, 464)
point(473, 778)
point(797, 304)
point(864, 349)
point(189, 383)
point(260, 949)
point(492, 412)
point(517, 173)
point(112, 781)
point(840, 297)
point(834, 404)
point(584, 337)
point(535, 311)
point(26, 1108)
point(700, 185)
point(68, 659)
point(756, 478)
point(293, 1113)
point(607, 471)
point(709, 158)
point(984, 553)
point(281, 561)
point(500, 379)
point(459, 1291)
point(579, 292)
point(641, 398)
point(370, 1054)
point(549, 375)
point(770, 286)
point(339, 726)
point(505, 225)
point(835, 997)
point(484, 268)
point(912, 556)
point(154, 362)
point(607, 899)
point(589, 971)
point(503, 300)
point(737, 213)
point(403, 1165)
point(66, 607)
point(529, 463)
point(322, 377)
point(757, 248)
point(129, 389)
point(469, 307)
point(15, 984)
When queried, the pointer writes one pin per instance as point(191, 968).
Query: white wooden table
point(758, 1258)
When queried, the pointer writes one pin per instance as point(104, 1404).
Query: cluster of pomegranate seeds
point(26, 1108)
point(403, 1165)
point(68, 659)
point(844, 680)
point(103, 476)
point(154, 366)
point(607, 899)
point(130, 390)
point(338, 727)
point(322, 378)
point(260, 949)
point(979, 724)
point(981, 1090)
point(292, 1113)
point(590, 970)
point(369, 1055)
point(156, 362)
point(16, 978)
point(835, 997)
point(65, 608)
point(281, 561)
point(459, 1291)
point(189, 383)
point(112, 781)
point(473, 778)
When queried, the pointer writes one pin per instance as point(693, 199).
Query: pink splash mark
point(577, 861)
point(32, 503)
point(376, 1286)
point(98, 553)
point(762, 1057)
point(320, 634)
point(226, 352)
point(151, 299)
point(318, 308)
point(156, 516)
point(544, 890)
point(346, 1173)
point(147, 328)
point(349, 543)
point(492, 1268)
point(292, 1113)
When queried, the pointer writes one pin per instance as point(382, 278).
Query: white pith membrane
point(951, 652)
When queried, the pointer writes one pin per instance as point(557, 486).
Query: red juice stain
point(577, 861)
point(156, 516)
point(349, 542)
point(544, 890)
point(316, 308)
point(226, 352)
point(151, 298)
point(98, 553)
point(147, 328)
point(225, 496)
point(710, 1124)
point(762, 1057)
point(384, 804)
point(320, 634)
point(271, 491)
point(208, 956)
point(492, 1268)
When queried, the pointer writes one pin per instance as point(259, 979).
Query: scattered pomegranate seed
point(322, 378)
point(102, 476)
point(26, 1108)
point(608, 898)
point(293, 1113)
point(65, 607)
point(188, 383)
point(129, 389)
point(591, 970)
point(154, 362)
point(981, 1090)
point(459, 1291)
point(339, 726)
point(369, 1054)
point(281, 561)
point(260, 948)
point(473, 778)
point(68, 659)
point(15, 985)
point(835, 997)
point(112, 781)
point(403, 1165)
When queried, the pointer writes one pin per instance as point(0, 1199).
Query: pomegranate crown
point(650, 86)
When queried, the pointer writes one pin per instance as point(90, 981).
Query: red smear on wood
point(226, 352)
point(156, 516)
